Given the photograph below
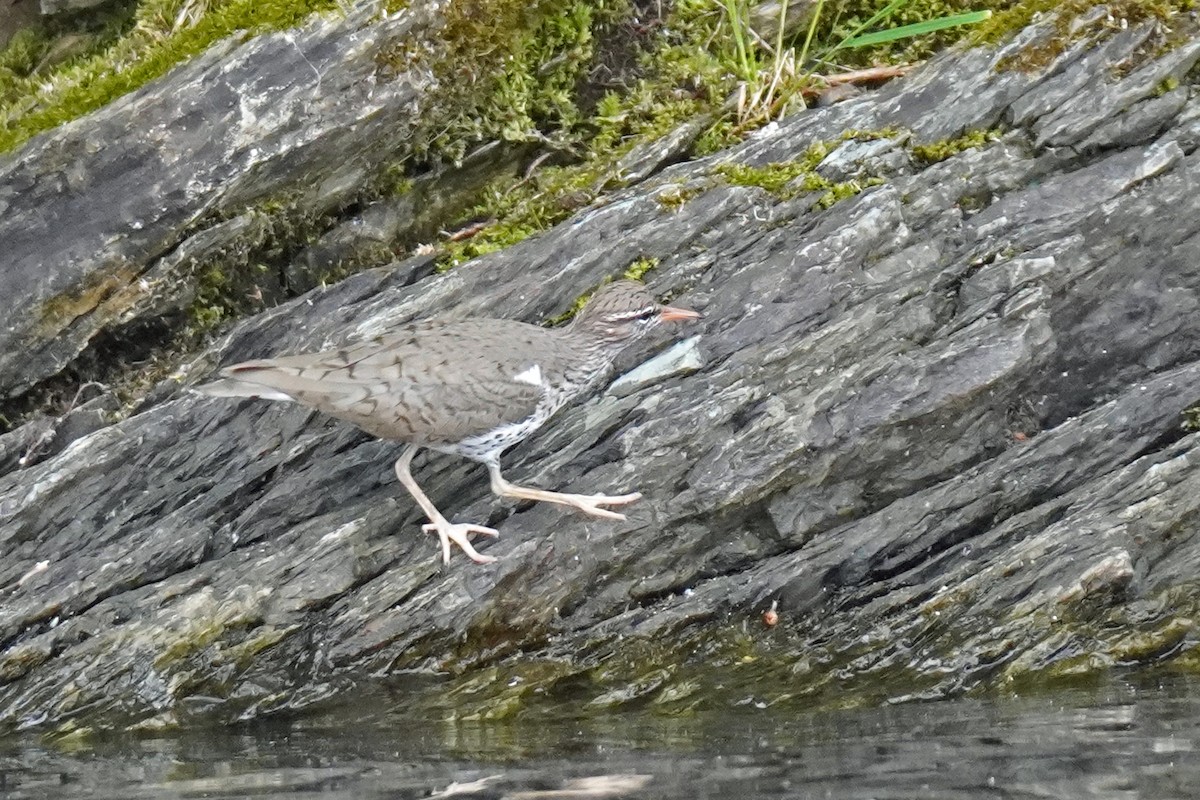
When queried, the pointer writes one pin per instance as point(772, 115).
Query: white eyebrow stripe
point(532, 376)
point(638, 313)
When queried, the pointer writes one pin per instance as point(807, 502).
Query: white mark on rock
point(681, 358)
point(37, 569)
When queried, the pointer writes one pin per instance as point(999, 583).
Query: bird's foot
point(592, 504)
point(457, 532)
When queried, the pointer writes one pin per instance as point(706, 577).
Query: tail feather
point(272, 381)
point(232, 387)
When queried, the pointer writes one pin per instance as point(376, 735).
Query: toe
point(604, 513)
point(615, 500)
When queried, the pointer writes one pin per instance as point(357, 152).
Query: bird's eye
point(647, 315)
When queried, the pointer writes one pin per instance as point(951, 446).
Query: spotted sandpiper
point(471, 387)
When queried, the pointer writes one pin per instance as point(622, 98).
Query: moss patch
point(639, 268)
point(789, 179)
point(674, 198)
point(773, 178)
point(512, 210)
point(101, 287)
point(939, 151)
point(506, 70)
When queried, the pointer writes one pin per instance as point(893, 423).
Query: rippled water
point(1117, 742)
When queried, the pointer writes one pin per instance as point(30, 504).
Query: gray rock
point(93, 407)
point(17, 444)
point(937, 426)
point(1100, 111)
point(650, 157)
point(18, 15)
point(244, 122)
point(58, 6)
point(872, 158)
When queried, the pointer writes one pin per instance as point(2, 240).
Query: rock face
point(18, 15)
point(938, 426)
point(96, 238)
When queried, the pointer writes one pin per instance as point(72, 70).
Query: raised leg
point(447, 532)
point(587, 503)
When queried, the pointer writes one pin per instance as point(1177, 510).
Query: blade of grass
point(778, 60)
point(916, 29)
point(739, 38)
point(812, 29)
point(879, 16)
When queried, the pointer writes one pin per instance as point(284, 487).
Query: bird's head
point(623, 311)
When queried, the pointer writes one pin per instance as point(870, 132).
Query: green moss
point(243, 653)
point(939, 151)
point(245, 275)
point(23, 54)
point(1167, 84)
point(502, 691)
point(394, 181)
point(788, 179)
point(507, 70)
point(769, 177)
point(1007, 22)
point(512, 210)
point(512, 71)
point(197, 637)
point(638, 269)
point(112, 290)
point(71, 737)
point(152, 47)
point(709, 670)
point(718, 136)
point(1146, 646)
point(776, 177)
point(837, 192)
point(515, 71)
point(40, 54)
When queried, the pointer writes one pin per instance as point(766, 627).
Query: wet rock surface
point(938, 426)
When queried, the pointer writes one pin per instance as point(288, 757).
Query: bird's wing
point(428, 383)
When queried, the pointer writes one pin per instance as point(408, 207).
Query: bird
point(469, 387)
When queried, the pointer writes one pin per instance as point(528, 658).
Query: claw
point(457, 532)
point(593, 504)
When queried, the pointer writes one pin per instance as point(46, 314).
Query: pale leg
point(587, 503)
point(447, 532)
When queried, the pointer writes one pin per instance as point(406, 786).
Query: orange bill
point(672, 314)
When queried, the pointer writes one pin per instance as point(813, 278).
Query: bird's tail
point(230, 386)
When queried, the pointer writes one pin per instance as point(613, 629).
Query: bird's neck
point(591, 352)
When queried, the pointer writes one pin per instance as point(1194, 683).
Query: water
point(1120, 741)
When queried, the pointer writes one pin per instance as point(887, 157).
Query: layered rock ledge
point(939, 426)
